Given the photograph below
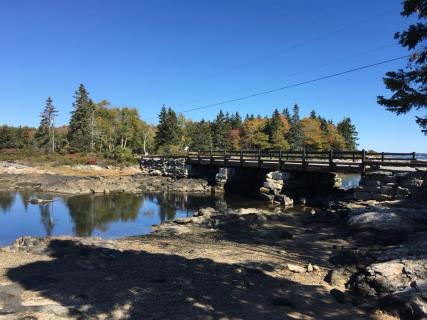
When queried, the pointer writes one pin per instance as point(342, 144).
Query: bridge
point(316, 161)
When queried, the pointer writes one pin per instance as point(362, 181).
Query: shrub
point(124, 155)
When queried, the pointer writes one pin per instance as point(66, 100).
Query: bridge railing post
point(331, 161)
point(241, 158)
point(414, 156)
point(225, 157)
point(198, 156)
point(280, 160)
point(259, 158)
point(303, 159)
point(210, 155)
point(363, 160)
point(382, 157)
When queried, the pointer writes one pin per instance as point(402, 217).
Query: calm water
point(106, 216)
point(349, 180)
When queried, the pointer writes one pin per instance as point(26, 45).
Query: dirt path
point(235, 268)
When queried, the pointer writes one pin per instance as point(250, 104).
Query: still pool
point(107, 216)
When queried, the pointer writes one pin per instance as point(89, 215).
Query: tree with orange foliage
point(253, 134)
point(235, 137)
point(313, 135)
point(334, 139)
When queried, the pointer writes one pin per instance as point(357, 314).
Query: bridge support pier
point(272, 188)
point(223, 176)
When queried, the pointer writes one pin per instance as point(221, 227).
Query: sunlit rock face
point(392, 185)
point(175, 168)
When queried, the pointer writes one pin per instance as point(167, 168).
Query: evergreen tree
point(221, 131)
point(236, 121)
point(201, 136)
point(323, 124)
point(287, 115)
point(349, 133)
point(409, 86)
point(168, 129)
point(276, 127)
point(295, 134)
point(45, 134)
point(313, 114)
point(82, 123)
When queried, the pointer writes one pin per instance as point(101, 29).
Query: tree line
point(282, 130)
point(119, 132)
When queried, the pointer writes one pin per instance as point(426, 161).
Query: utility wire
point(290, 86)
point(298, 45)
point(313, 68)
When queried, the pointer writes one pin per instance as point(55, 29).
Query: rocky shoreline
point(360, 260)
point(351, 259)
point(93, 179)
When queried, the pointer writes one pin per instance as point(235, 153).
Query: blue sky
point(189, 53)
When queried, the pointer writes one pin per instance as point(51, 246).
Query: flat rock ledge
point(135, 183)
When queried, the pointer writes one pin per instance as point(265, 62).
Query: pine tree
point(313, 114)
point(168, 130)
point(221, 131)
point(82, 123)
point(236, 121)
point(349, 133)
point(295, 134)
point(409, 86)
point(45, 134)
point(287, 115)
point(201, 136)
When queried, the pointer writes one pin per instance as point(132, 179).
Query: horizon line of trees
point(119, 132)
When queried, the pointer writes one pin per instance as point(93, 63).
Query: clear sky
point(189, 53)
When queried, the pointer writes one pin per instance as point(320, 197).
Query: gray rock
point(295, 268)
point(284, 200)
point(205, 212)
point(266, 196)
point(402, 191)
point(338, 277)
point(382, 220)
point(381, 197)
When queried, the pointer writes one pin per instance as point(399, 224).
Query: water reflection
point(46, 217)
point(109, 216)
point(6, 201)
point(349, 180)
point(98, 211)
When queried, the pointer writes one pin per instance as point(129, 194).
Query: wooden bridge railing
point(356, 160)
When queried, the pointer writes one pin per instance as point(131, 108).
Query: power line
point(314, 68)
point(290, 86)
point(298, 45)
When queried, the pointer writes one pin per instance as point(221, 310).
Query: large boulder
point(396, 220)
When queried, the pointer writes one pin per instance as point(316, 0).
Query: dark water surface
point(106, 216)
